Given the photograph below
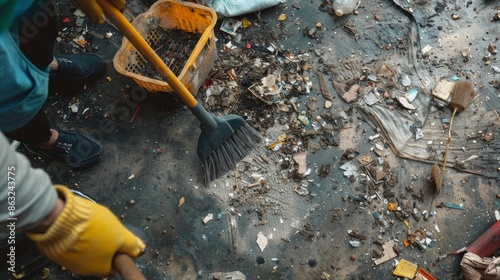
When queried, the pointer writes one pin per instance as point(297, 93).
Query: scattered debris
point(388, 253)
point(261, 241)
point(443, 90)
point(349, 169)
point(452, 205)
point(234, 275)
point(182, 200)
point(230, 25)
point(405, 269)
point(300, 159)
point(208, 218)
point(158, 151)
point(354, 243)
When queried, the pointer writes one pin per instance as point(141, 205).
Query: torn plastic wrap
point(232, 8)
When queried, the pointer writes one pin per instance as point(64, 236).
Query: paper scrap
point(300, 159)
point(261, 241)
point(388, 252)
point(208, 218)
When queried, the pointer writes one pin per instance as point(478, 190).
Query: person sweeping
point(75, 233)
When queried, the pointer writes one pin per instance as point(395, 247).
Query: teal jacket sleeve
point(26, 194)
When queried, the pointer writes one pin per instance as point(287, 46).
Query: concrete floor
point(307, 234)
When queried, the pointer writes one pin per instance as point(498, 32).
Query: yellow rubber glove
point(85, 237)
point(94, 11)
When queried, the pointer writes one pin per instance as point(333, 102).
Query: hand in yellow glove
point(94, 11)
point(85, 237)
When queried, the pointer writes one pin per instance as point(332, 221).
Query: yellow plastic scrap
point(405, 269)
point(280, 139)
point(325, 276)
point(282, 17)
point(246, 23)
point(391, 206)
point(407, 224)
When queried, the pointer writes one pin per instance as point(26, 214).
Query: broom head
point(462, 95)
point(223, 147)
point(436, 178)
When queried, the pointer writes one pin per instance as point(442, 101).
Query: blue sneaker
point(72, 149)
point(77, 67)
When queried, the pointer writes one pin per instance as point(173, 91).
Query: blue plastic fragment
point(453, 205)
point(454, 78)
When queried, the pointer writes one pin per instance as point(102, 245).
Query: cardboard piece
point(443, 90)
point(388, 253)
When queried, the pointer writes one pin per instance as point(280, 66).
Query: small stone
point(455, 16)
point(492, 49)
point(488, 137)
point(353, 257)
point(132, 202)
point(328, 104)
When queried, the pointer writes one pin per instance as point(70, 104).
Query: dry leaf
point(181, 201)
point(322, 86)
point(282, 17)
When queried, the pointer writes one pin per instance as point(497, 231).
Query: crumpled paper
point(232, 8)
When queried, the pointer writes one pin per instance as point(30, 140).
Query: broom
point(461, 96)
point(224, 140)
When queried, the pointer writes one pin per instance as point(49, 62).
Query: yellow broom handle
point(117, 18)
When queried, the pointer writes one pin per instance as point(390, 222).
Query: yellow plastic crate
point(171, 15)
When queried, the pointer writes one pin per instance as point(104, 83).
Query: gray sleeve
point(26, 194)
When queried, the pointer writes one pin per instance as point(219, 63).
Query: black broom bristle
point(232, 151)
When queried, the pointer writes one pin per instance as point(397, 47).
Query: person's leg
point(38, 32)
point(37, 36)
point(37, 132)
point(68, 147)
